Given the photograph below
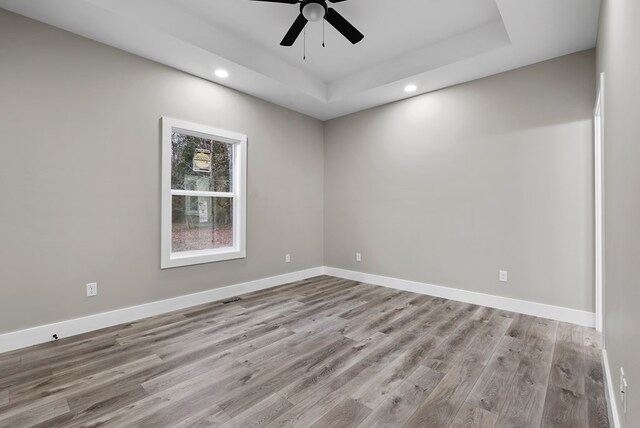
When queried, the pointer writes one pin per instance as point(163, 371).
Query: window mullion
point(200, 193)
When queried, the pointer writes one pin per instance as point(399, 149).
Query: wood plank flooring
point(322, 352)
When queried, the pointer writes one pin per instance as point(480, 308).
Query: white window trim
point(239, 195)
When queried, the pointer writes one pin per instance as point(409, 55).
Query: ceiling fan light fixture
point(314, 11)
point(317, 10)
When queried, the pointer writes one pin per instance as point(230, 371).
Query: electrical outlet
point(623, 391)
point(504, 276)
point(92, 289)
point(358, 257)
point(287, 258)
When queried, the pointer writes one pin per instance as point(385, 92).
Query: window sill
point(189, 258)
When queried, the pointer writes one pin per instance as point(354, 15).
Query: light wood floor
point(323, 352)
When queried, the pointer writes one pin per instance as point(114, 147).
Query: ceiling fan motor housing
point(313, 10)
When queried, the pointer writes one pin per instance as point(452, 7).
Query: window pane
point(201, 164)
point(200, 223)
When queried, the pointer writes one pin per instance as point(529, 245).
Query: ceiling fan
point(315, 10)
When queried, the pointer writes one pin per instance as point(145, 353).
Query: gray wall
point(450, 187)
point(445, 188)
point(618, 57)
point(80, 176)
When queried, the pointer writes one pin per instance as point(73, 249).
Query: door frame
point(598, 146)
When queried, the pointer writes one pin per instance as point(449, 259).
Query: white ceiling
point(264, 24)
point(429, 43)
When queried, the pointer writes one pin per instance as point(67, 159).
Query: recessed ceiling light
point(223, 74)
point(410, 88)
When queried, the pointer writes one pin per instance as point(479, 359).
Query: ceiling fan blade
point(336, 1)
point(281, 1)
point(294, 31)
point(343, 26)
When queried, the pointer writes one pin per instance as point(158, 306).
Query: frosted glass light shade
point(313, 12)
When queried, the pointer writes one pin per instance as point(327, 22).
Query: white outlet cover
point(626, 398)
point(623, 391)
point(92, 289)
point(504, 276)
point(287, 258)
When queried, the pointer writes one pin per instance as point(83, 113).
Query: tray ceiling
point(429, 43)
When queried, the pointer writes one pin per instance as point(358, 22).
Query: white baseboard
point(612, 392)
point(41, 334)
point(542, 310)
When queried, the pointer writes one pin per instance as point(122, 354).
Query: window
point(203, 194)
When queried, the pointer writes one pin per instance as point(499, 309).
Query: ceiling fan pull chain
point(304, 44)
point(323, 21)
